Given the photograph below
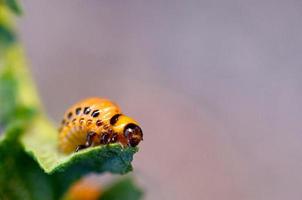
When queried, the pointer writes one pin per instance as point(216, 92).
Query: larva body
point(96, 121)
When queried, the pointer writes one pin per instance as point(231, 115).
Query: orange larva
point(96, 121)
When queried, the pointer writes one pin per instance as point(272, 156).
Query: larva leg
point(113, 138)
point(88, 143)
point(105, 138)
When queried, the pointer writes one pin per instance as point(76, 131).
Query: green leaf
point(10, 110)
point(8, 88)
point(124, 189)
point(7, 32)
point(14, 6)
point(41, 141)
point(20, 177)
point(7, 37)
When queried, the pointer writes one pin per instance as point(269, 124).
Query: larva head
point(127, 129)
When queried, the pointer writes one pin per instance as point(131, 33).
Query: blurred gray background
point(216, 86)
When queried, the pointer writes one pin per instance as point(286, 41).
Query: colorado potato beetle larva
point(97, 121)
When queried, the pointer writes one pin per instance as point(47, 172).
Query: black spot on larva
point(63, 121)
point(95, 113)
point(78, 111)
point(69, 115)
point(74, 120)
point(114, 119)
point(99, 123)
point(81, 120)
point(87, 110)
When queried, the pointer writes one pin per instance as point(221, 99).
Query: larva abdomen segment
point(89, 115)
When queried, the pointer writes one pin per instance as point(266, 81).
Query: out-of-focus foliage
point(11, 111)
point(7, 33)
point(123, 189)
point(6, 36)
point(7, 97)
point(14, 6)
